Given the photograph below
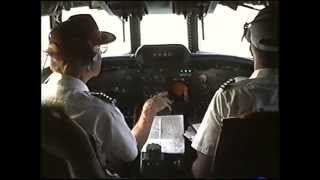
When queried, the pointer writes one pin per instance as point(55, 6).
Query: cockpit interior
point(190, 77)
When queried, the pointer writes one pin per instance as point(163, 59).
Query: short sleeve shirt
point(103, 121)
point(259, 92)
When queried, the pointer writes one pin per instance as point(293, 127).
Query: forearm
point(150, 108)
point(201, 166)
point(142, 128)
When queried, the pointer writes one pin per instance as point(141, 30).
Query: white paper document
point(167, 131)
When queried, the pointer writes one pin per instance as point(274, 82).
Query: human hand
point(158, 103)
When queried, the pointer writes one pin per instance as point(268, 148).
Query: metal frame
point(192, 25)
point(135, 33)
point(55, 19)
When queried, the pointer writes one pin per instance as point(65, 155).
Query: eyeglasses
point(103, 49)
point(100, 49)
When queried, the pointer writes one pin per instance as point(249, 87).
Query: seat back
point(64, 145)
point(249, 147)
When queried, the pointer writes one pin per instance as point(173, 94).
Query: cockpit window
point(164, 29)
point(223, 31)
point(106, 22)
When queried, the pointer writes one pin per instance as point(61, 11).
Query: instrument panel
point(162, 55)
point(191, 84)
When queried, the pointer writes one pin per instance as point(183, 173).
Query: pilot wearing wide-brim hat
point(75, 51)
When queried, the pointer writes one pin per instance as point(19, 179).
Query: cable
point(123, 29)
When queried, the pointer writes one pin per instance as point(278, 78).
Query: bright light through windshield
point(164, 29)
point(45, 30)
point(224, 29)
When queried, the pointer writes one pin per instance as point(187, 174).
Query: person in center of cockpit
point(236, 98)
point(74, 47)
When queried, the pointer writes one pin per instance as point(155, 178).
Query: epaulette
point(233, 81)
point(104, 97)
point(227, 84)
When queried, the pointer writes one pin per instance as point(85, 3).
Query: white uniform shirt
point(102, 120)
point(259, 92)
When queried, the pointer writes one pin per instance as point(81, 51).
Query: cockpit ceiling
point(140, 8)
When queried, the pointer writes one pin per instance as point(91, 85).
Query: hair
point(70, 57)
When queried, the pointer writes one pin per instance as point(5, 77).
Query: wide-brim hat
point(83, 28)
